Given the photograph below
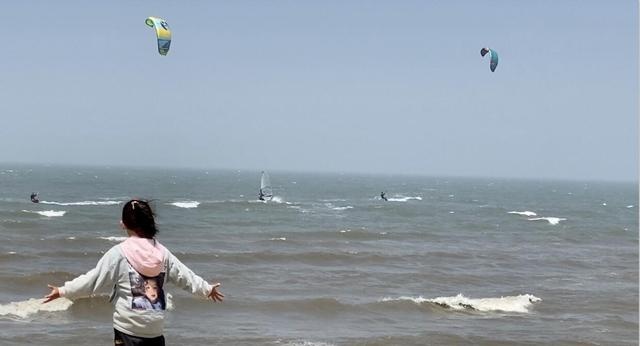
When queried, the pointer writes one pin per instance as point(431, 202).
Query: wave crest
point(47, 213)
point(404, 198)
point(523, 213)
point(520, 303)
point(186, 204)
point(551, 220)
point(83, 203)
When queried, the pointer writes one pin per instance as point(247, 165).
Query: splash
point(33, 306)
point(277, 199)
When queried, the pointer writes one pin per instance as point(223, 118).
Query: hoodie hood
point(146, 256)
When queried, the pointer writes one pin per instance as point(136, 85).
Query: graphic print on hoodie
point(147, 292)
point(146, 272)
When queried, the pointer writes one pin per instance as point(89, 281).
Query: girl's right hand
point(215, 294)
point(55, 294)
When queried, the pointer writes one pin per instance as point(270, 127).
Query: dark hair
point(138, 217)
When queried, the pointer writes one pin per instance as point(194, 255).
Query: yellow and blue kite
point(162, 32)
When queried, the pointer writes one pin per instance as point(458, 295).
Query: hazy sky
point(343, 86)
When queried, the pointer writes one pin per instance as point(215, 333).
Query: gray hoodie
point(135, 272)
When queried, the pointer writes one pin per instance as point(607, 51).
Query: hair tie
point(133, 205)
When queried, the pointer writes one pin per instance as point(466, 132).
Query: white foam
point(83, 203)
point(343, 208)
point(404, 198)
point(519, 303)
point(307, 343)
point(277, 199)
point(114, 239)
point(33, 306)
point(525, 213)
point(630, 206)
point(551, 220)
point(332, 207)
point(186, 204)
point(47, 213)
point(170, 305)
point(281, 238)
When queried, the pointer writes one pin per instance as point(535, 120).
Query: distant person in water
point(261, 195)
point(34, 197)
point(383, 196)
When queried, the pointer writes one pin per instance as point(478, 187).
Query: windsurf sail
point(266, 193)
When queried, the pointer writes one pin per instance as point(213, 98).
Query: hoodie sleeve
point(101, 278)
point(185, 278)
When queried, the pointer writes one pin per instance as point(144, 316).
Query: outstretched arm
point(186, 279)
point(100, 278)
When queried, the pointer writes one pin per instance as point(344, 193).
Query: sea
point(444, 261)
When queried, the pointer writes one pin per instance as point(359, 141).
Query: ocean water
point(446, 261)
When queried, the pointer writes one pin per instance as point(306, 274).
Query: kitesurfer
point(34, 197)
point(382, 195)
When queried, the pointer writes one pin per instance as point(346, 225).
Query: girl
point(133, 270)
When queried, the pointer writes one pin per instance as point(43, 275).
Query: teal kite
point(493, 62)
point(162, 33)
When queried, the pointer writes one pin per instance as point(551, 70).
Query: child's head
point(138, 217)
point(151, 290)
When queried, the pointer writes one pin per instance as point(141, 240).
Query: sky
point(381, 87)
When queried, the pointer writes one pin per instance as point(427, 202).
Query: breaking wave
point(83, 203)
point(520, 303)
point(524, 213)
point(47, 213)
point(551, 220)
point(186, 204)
